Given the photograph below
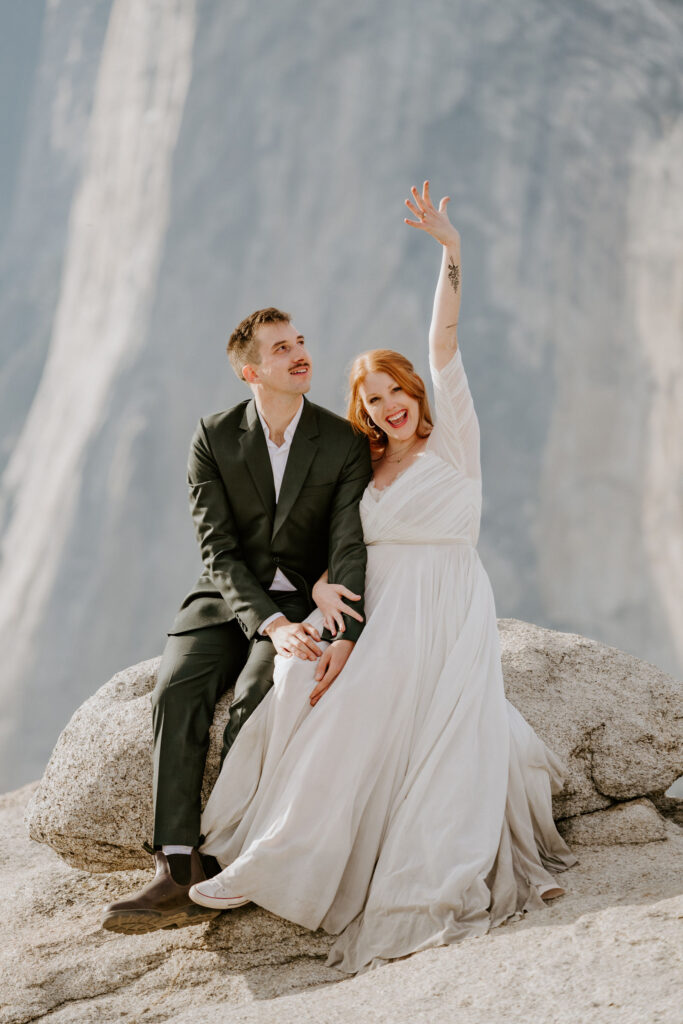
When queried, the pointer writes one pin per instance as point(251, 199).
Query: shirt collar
point(289, 431)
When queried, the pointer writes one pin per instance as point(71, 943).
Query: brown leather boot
point(162, 903)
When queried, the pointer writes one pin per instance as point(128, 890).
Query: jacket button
point(276, 559)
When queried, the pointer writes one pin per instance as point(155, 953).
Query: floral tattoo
point(454, 275)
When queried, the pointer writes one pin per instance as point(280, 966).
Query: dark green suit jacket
point(244, 538)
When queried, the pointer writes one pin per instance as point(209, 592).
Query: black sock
point(210, 865)
point(180, 866)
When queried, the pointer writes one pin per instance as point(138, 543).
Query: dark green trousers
point(196, 669)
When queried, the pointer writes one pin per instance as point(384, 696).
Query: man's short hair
point(243, 346)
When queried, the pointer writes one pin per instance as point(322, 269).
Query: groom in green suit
point(274, 490)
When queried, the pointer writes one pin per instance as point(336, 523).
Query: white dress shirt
point(278, 455)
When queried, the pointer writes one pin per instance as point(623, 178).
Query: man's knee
point(198, 666)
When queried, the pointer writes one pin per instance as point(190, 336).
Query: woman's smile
point(398, 419)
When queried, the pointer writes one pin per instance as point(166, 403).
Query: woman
point(410, 807)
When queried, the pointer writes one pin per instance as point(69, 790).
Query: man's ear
point(249, 374)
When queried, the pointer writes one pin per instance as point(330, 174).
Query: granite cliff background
point(169, 165)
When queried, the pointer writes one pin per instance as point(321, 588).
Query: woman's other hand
point(329, 599)
point(434, 222)
point(329, 667)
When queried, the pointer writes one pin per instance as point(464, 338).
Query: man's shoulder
point(332, 421)
point(226, 419)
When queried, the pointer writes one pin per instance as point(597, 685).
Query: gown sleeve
point(455, 436)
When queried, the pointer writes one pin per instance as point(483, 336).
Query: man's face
point(285, 363)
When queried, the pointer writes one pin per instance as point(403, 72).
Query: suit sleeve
point(347, 552)
point(218, 540)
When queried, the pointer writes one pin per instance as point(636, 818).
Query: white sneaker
point(210, 893)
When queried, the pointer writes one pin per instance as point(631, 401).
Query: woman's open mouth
point(398, 419)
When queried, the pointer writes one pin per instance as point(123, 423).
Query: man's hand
point(329, 667)
point(294, 638)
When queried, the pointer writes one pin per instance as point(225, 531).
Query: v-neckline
point(380, 491)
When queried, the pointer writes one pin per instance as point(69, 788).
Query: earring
point(373, 429)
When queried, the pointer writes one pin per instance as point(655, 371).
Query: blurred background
point(167, 166)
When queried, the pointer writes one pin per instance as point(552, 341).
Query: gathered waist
point(420, 543)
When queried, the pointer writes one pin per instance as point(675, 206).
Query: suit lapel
point(255, 454)
point(301, 454)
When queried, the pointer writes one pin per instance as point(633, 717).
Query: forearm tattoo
point(454, 275)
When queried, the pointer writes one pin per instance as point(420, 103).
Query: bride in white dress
point(408, 804)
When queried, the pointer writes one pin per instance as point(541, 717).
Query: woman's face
point(389, 406)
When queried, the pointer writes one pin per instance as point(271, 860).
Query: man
point(274, 490)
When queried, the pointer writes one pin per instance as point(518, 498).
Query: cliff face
point(184, 163)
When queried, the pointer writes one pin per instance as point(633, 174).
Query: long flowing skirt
point(411, 807)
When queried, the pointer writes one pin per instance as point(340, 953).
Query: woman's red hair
point(384, 360)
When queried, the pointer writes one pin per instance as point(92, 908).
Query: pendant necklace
point(389, 458)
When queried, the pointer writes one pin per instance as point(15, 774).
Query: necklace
point(398, 458)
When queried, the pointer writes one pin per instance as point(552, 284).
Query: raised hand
point(434, 222)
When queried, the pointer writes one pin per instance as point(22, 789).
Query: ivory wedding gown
point(411, 807)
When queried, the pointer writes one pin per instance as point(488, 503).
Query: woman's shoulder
point(446, 365)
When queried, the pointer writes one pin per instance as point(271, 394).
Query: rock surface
point(636, 821)
point(614, 720)
point(607, 951)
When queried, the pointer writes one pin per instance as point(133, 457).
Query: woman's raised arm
point(456, 434)
point(443, 333)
